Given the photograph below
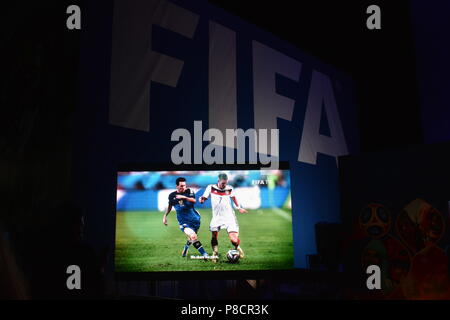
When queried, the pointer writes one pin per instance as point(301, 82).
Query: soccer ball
point(233, 256)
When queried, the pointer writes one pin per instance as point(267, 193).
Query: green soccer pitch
point(145, 244)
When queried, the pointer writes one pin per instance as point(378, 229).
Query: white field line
point(282, 214)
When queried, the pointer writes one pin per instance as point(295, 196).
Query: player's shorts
point(230, 224)
point(192, 226)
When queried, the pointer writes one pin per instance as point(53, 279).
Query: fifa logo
point(260, 182)
point(131, 102)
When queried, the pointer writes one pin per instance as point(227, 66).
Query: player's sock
point(186, 248)
point(215, 246)
point(238, 248)
point(199, 247)
point(236, 243)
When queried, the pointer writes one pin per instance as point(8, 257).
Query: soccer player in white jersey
point(223, 213)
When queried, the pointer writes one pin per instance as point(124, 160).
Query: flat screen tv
point(203, 221)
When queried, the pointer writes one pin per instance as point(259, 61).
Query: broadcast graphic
point(203, 221)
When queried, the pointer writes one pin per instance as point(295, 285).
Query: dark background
point(382, 62)
point(38, 86)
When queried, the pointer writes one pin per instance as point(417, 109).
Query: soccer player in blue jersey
point(183, 200)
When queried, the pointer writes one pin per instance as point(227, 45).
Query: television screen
point(203, 220)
